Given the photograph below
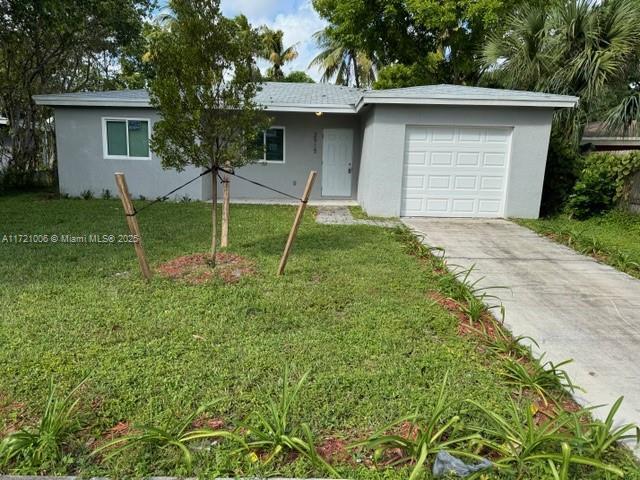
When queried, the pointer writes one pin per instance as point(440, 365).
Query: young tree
point(204, 88)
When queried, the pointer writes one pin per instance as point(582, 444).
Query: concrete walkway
point(341, 215)
point(572, 305)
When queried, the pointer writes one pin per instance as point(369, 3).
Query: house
point(597, 138)
point(437, 150)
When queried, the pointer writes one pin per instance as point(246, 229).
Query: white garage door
point(455, 171)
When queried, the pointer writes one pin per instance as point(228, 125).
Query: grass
point(353, 309)
point(359, 214)
point(611, 238)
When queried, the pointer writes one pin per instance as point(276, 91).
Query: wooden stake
point(224, 235)
point(132, 222)
point(214, 214)
point(296, 221)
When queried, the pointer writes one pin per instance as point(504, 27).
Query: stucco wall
point(379, 190)
point(82, 166)
point(303, 152)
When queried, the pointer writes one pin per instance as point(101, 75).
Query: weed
point(86, 194)
point(429, 434)
point(176, 436)
point(539, 377)
point(598, 437)
point(522, 443)
point(504, 344)
point(43, 446)
point(106, 194)
point(273, 433)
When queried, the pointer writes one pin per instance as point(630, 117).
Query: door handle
point(349, 171)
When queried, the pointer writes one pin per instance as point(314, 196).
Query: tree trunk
point(214, 214)
point(224, 236)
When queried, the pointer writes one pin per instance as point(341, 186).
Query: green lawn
point(612, 238)
point(353, 308)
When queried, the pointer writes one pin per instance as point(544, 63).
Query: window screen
point(274, 145)
point(138, 138)
point(116, 137)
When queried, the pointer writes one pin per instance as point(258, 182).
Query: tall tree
point(52, 46)
point(574, 47)
point(342, 65)
point(406, 32)
point(204, 88)
point(274, 51)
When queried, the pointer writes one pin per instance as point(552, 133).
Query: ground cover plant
point(611, 238)
point(355, 310)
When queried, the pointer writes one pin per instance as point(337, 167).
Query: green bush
point(563, 169)
point(603, 182)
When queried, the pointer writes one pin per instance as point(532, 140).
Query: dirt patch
point(448, 304)
point(196, 269)
point(13, 415)
point(334, 450)
point(209, 423)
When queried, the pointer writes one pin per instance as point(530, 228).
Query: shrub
point(603, 182)
point(563, 169)
point(43, 447)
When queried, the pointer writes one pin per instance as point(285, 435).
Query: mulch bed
point(196, 269)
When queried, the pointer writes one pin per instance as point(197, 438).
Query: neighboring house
point(596, 138)
point(438, 150)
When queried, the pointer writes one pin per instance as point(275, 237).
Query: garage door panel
point(417, 158)
point(441, 159)
point(491, 183)
point(414, 182)
point(439, 182)
point(437, 204)
point(470, 135)
point(466, 182)
point(488, 206)
point(494, 160)
point(455, 171)
point(468, 159)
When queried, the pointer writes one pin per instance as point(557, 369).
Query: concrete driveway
point(572, 305)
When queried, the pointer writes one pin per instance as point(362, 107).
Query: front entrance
point(337, 158)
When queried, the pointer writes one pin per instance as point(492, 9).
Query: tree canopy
point(407, 32)
point(55, 46)
point(575, 47)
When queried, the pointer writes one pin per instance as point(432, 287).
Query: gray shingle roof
point(462, 92)
point(280, 96)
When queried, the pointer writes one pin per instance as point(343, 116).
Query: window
point(126, 138)
point(273, 145)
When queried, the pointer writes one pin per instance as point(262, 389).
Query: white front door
point(454, 171)
point(337, 157)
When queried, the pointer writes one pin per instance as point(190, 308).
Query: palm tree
point(575, 47)
point(347, 66)
point(274, 52)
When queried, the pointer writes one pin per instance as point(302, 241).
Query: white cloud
point(299, 23)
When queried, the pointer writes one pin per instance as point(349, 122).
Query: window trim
point(284, 145)
point(105, 145)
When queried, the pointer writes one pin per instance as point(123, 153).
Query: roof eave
point(613, 141)
point(570, 102)
point(310, 108)
point(60, 101)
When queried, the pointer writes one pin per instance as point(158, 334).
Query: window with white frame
point(126, 138)
point(272, 144)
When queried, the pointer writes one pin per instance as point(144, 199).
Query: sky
point(296, 18)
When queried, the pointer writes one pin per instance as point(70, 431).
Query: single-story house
point(437, 150)
point(596, 138)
